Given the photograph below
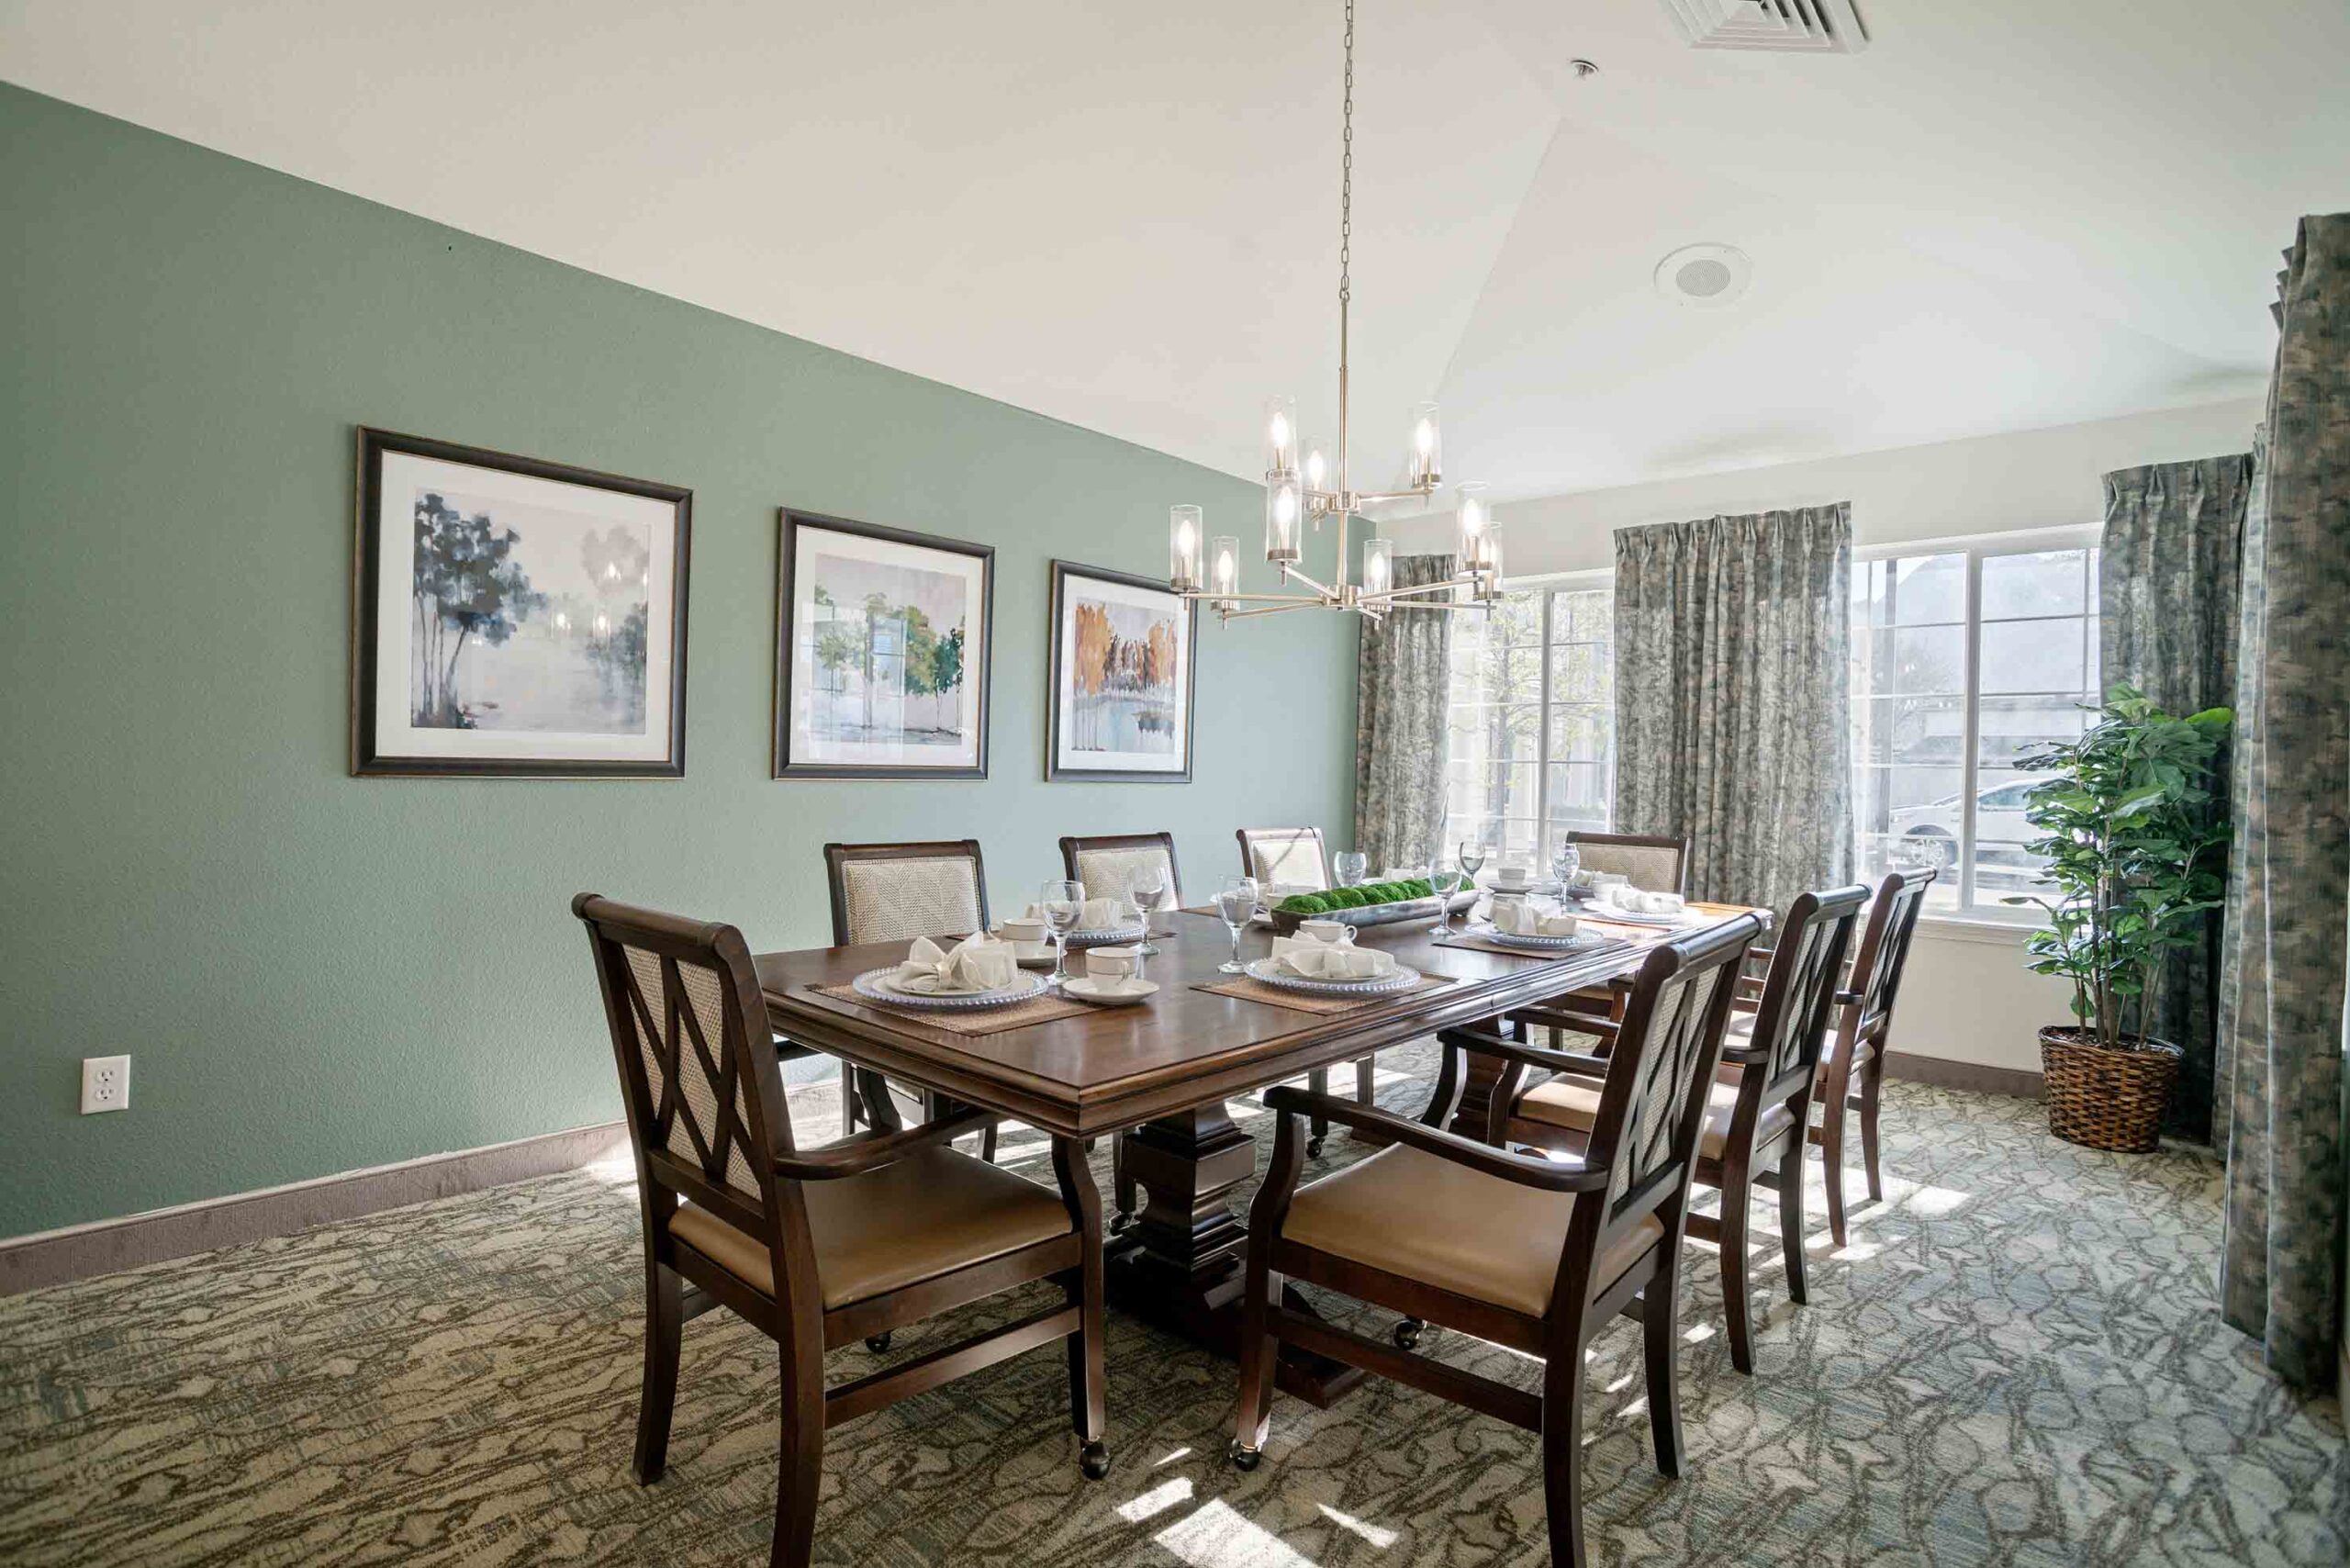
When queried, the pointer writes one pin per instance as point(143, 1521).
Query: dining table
point(1163, 1072)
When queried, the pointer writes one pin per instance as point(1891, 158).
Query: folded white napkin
point(1637, 902)
point(1520, 918)
point(1332, 960)
point(1099, 914)
point(976, 963)
point(1592, 881)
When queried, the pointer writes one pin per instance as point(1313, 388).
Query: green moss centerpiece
point(1372, 904)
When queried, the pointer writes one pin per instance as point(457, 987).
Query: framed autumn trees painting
point(1120, 687)
point(513, 618)
point(883, 646)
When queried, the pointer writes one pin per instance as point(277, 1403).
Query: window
point(1964, 660)
point(1530, 752)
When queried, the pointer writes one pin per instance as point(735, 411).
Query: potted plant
point(2135, 848)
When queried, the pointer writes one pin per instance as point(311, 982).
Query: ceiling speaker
point(1706, 278)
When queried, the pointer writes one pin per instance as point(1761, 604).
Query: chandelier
point(1303, 487)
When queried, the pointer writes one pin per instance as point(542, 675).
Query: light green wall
point(313, 973)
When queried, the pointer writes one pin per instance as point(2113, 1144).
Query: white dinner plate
point(881, 985)
point(1539, 944)
point(1627, 917)
point(1270, 971)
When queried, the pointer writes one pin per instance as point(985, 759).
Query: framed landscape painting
point(882, 645)
point(1120, 688)
point(513, 618)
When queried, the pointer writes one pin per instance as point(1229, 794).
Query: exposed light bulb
point(1316, 469)
point(1424, 437)
point(1279, 435)
point(1285, 508)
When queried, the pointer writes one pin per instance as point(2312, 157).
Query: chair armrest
point(1529, 1055)
point(1744, 1056)
point(1548, 1175)
point(854, 1157)
point(1573, 1021)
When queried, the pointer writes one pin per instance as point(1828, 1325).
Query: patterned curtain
point(2287, 943)
point(2168, 585)
point(1401, 684)
point(1731, 705)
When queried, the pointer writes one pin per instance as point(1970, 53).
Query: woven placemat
point(1250, 989)
point(968, 1020)
point(1602, 948)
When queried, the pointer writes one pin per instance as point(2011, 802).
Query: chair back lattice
point(895, 892)
point(1653, 864)
point(705, 1112)
point(1885, 948)
point(1110, 866)
point(1660, 1073)
point(1290, 856)
point(1798, 994)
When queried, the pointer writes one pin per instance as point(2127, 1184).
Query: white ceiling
point(2004, 214)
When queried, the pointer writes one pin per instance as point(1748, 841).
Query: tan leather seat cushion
point(1573, 1103)
point(1444, 1225)
point(909, 1221)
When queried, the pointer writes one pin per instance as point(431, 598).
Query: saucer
point(1085, 988)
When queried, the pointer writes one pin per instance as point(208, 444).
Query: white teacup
point(1512, 877)
point(1026, 936)
point(1111, 963)
point(1327, 930)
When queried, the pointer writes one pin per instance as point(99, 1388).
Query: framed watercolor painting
point(514, 619)
point(1119, 694)
point(882, 644)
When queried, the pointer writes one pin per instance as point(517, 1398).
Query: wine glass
point(1566, 859)
point(1236, 902)
point(1352, 866)
point(1446, 883)
point(1149, 887)
point(1472, 856)
point(1059, 904)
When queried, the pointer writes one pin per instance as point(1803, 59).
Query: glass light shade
point(1377, 564)
point(1428, 445)
point(1224, 565)
point(1281, 435)
point(1186, 535)
point(1285, 514)
point(1489, 586)
point(1474, 515)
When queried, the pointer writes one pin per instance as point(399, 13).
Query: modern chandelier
point(1302, 488)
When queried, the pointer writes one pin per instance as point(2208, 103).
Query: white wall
point(1966, 996)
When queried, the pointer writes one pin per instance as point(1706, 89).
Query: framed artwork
point(882, 644)
point(515, 618)
point(1120, 689)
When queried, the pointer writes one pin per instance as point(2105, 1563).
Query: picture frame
point(1119, 683)
point(496, 632)
point(885, 639)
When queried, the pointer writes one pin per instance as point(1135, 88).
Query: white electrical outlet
point(106, 1084)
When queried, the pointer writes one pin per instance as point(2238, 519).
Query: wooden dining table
point(1162, 1071)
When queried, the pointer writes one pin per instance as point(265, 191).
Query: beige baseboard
point(1943, 1073)
point(75, 1252)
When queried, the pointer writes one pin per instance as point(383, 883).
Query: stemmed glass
point(1237, 901)
point(1446, 883)
point(1473, 856)
point(1149, 887)
point(1352, 866)
point(1565, 861)
point(1059, 904)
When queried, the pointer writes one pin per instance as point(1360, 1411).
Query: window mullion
point(1542, 742)
point(1972, 728)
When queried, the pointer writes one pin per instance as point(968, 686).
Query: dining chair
point(895, 892)
point(1292, 857)
point(1759, 1105)
point(1855, 1052)
point(1109, 865)
point(819, 1248)
point(1536, 1254)
point(1656, 863)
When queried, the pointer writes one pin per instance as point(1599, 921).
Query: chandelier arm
point(1291, 574)
point(1405, 595)
point(1300, 600)
point(1271, 610)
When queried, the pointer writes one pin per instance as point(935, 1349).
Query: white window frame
point(1978, 548)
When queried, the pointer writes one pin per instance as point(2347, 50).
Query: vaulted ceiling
point(2003, 214)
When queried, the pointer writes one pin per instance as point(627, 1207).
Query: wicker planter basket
point(2102, 1098)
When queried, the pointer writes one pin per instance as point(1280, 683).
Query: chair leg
point(1737, 1200)
point(1830, 1095)
point(987, 1144)
point(1127, 1200)
point(1318, 1125)
point(1365, 1090)
point(1872, 1076)
point(848, 1100)
point(799, 1462)
point(1791, 1218)
point(664, 1317)
point(1257, 1353)
point(1661, 1344)
point(1087, 1398)
point(1562, 1454)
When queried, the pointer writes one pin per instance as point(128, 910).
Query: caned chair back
point(1800, 990)
point(1651, 863)
point(1292, 855)
point(1652, 1106)
point(895, 892)
point(1885, 948)
point(1109, 864)
point(706, 1111)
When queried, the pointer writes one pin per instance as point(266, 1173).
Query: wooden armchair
point(1293, 855)
point(1532, 1253)
point(1758, 1106)
point(1852, 1070)
point(820, 1248)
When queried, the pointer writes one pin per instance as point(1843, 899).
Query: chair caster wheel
point(1242, 1455)
point(1094, 1460)
point(877, 1343)
point(1408, 1334)
point(1314, 1149)
point(1119, 1222)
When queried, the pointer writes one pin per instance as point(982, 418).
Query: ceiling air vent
point(1820, 27)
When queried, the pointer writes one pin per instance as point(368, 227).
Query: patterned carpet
point(2016, 1361)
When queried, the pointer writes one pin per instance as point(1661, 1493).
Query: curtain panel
point(1732, 722)
point(1404, 677)
point(2168, 581)
point(2287, 949)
